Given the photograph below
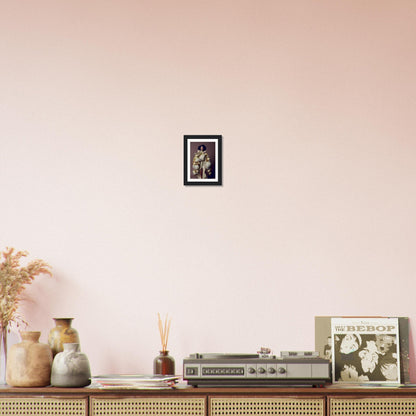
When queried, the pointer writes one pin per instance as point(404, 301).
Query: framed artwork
point(202, 160)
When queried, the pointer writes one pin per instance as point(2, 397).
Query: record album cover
point(325, 344)
point(365, 350)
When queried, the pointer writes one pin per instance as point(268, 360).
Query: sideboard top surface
point(206, 391)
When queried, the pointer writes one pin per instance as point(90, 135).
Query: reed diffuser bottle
point(164, 364)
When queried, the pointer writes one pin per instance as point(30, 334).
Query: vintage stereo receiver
point(291, 368)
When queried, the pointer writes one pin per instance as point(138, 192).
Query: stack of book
point(120, 381)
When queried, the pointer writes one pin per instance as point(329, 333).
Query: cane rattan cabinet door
point(385, 406)
point(43, 406)
point(266, 406)
point(148, 406)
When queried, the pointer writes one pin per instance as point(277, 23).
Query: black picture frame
point(202, 160)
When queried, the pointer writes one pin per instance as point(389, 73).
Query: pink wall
point(315, 101)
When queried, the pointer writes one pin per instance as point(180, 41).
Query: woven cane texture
point(42, 407)
point(148, 407)
point(266, 407)
point(373, 407)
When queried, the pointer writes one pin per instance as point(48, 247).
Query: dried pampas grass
point(13, 280)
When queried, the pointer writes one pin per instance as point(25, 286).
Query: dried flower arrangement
point(164, 331)
point(13, 280)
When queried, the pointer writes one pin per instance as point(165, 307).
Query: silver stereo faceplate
point(237, 370)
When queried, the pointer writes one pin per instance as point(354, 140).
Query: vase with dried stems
point(164, 364)
point(13, 280)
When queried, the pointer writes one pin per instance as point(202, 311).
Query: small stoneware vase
point(61, 334)
point(29, 362)
point(164, 364)
point(70, 368)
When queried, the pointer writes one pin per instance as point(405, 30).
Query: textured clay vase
point(164, 364)
point(29, 362)
point(70, 368)
point(62, 334)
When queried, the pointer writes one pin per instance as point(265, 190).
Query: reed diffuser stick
point(164, 329)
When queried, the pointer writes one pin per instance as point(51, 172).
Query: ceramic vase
point(70, 367)
point(29, 362)
point(61, 334)
point(164, 364)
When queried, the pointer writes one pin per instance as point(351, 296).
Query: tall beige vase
point(29, 362)
point(61, 334)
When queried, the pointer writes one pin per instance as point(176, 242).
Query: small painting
point(202, 160)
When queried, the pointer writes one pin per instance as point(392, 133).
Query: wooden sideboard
point(287, 401)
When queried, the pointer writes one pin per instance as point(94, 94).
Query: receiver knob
point(271, 370)
point(251, 370)
point(261, 370)
point(281, 370)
